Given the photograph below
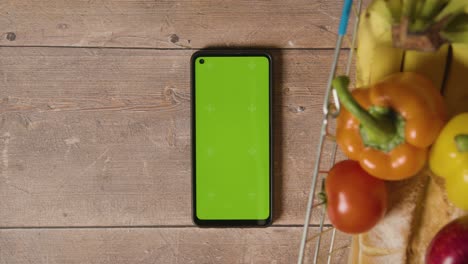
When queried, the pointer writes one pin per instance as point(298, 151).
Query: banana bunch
point(425, 36)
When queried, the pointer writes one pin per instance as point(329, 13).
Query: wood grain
point(163, 245)
point(170, 24)
point(100, 137)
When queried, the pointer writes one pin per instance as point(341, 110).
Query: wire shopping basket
point(331, 109)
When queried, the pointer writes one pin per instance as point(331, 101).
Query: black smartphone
point(232, 172)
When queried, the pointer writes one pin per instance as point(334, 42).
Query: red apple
point(450, 244)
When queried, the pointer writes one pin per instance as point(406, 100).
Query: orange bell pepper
point(389, 127)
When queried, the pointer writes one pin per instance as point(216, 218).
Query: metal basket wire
point(331, 109)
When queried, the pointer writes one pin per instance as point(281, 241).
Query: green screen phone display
point(232, 138)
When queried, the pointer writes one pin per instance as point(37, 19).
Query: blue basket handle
point(345, 17)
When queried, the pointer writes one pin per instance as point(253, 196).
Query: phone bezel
point(234, 222)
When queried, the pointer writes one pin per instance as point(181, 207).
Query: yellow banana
point(456, 31)
point(430, 64)
point(456, 87)
point(376, 57)
point(454, 7)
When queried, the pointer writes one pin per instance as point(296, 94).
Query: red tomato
point(356, 201)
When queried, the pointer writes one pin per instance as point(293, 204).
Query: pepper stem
point(379, 129)
point(461, 141)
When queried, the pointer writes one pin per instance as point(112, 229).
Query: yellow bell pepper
point(449, 159)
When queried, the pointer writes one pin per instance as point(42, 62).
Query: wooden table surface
point(95, 119)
